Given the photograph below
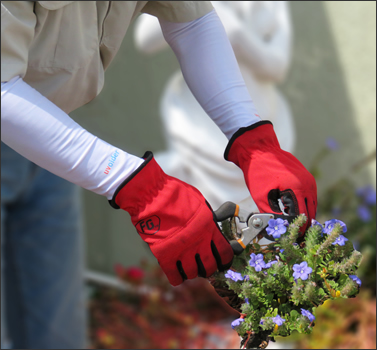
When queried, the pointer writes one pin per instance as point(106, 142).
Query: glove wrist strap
point(240, 132)
point(148, 156)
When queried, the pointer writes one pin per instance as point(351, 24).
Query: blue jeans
point(42, 285)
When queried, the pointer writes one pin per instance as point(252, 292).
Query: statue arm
point(148, 35)
point(268, 59)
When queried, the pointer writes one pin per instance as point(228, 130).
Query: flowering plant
point(277, 287)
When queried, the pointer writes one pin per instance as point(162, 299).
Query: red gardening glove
point(271, 173)
point(176, 221)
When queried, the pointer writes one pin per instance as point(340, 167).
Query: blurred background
point(328, 89)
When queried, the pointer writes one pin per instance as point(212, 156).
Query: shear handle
point(226, 211)
point(237, 247)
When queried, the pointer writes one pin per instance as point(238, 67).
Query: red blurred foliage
point(160, 316)
point(132, 274)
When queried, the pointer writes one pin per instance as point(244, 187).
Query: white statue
point(260, 33)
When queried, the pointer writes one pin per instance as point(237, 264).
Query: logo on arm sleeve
point(111, 162)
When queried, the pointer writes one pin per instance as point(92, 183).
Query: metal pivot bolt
point(257, 222)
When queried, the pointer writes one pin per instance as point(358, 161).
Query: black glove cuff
point(148, 156)
point(241, 131)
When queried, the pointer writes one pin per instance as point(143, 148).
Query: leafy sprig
point(279, 286)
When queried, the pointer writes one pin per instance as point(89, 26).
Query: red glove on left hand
point(271, 173)
point(176, 221)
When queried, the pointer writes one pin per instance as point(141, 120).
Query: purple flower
point(269, 264)
point(370, 196)
point(261, 321)
point(356, 245)
point(332, 144)
point(341, 240)
point(276, 227)
point(368, 193)
point(237, 322)
point(356, 279)
point(278, 320)
point(307, 314)
point(330, 224)
point(246, 278)
point(316, 223)
point(301, 271)
point(234, 276)
point(257, 262)
point(364, 213)
point(247, 301)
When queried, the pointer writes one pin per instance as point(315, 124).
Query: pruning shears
point(256, 224)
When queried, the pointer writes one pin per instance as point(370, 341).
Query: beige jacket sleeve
point(18, 18)
point(66, 63)
point(178, 11)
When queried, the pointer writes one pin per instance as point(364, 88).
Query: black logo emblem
point(148, 226)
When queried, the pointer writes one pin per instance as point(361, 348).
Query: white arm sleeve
point(211, 71)
point(41, 132)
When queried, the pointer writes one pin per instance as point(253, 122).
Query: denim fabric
point(43, 303)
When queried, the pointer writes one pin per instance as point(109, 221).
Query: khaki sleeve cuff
point(17, 32)
point(178, 11)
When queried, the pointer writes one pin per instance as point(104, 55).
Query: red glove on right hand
point(271, 173)
point(176, 221)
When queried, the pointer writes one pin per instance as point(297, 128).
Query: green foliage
point(344, 200)
point(274, 291)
